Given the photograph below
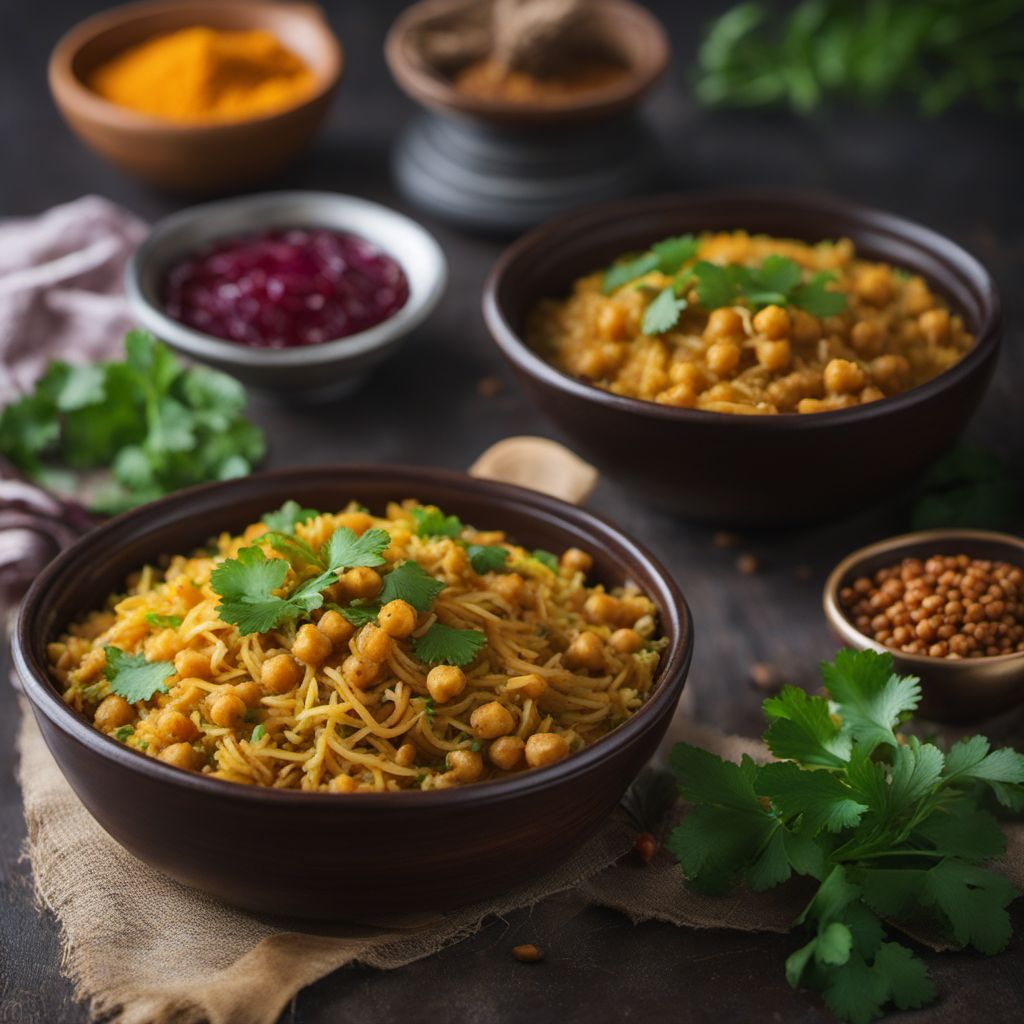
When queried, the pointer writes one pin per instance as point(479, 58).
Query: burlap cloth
point(125, 927)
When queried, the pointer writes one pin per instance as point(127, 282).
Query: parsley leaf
point(445, 645)
point(487, 557)
point(802, 729)
point(133, 677)
point(547, 559)
point(628, 270)
point(432, 522)
point(345, 549)
point(258, 733)
point(163, 621)
point(288, 516)
point(411, 583)
point(816, 298)
point(663, 312)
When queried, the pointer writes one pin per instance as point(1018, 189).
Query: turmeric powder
point(205, 74)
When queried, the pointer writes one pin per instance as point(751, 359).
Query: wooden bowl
point(639, 39)
point(379, 853)
point(954, 691)
point(731, 469)
point(201, 157)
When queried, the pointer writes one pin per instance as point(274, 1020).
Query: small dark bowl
point(380, 853)
point(953, 691)
point(763, 470)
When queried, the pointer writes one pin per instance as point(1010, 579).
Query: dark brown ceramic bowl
point(954, 691)
point(202, 157)
point(756, 470)
point(360, 853)
point(639, 39)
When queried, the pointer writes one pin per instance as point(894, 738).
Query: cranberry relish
point(285, 287)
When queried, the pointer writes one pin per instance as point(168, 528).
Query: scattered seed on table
point(724, 539)
point(646, 847)
point(527, 953)
point(747, 565)
point(765, 677)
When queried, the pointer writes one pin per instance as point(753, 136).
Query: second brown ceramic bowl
point(952, 690)
point(193, 157)
point(361, 853)
point(754, 470)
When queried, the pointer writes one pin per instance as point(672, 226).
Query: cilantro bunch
point(156, 425)
point(891, 828)
point(778, 281)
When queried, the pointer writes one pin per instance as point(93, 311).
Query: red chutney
point(286, 287)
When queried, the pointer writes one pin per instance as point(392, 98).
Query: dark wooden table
point(961, 174)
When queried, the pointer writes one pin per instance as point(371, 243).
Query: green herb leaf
point(487, 557)
point(672, 253)
point(361, 614)
point(547, 559)
point(411, 583)
point(815, 297)
point(432, 522)
point(258, 733)
point(802, 729)
point(163, 621)
point(445, 645)
point(716, 287)
point(628, 270)
point(345, 549)
point(123, 732)
point(133, 677)
point(663, 313)
point(288, 516)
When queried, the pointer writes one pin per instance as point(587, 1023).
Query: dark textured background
point(961, 175)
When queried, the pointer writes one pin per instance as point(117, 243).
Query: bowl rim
point(45, 698)
point(431, 88)
point(796, 200)
point(67, 87)
point(207, 346)
point(894, 546)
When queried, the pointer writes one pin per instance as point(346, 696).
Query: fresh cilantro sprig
point(288, 516)
point(133, 677)
point(667, 257)
point(445, 645)
point(890, 827)
point(487, 557)
point(246, 584)
point(154, 425)
point(408, 582)
point(163, 621)
point(432, 522)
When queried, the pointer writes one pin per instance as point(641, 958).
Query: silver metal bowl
point(952, 690)
point(332, 367)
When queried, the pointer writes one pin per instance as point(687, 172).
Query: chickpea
point(575, 560)
point(489, 721)
point(405, 755)
point(586, 652)
point(773, 322)
point(723, 357)
point(506, 752)
point(174, 727)
point(455, 561)
point(867, 338)
point(373, 643)
point(227, 710)
point(465, 765)
point(357, 522)
point(361, 582)
point(180, 755)
point(445, 682)
point(626, 641)
point(113, 712)
point(359, 672)
point(164, 646)
point(344, 784)
point(875, 285)
point(250, 692)
point(612, 322)
point(843, 377)
point(682, 371)
point(722, 324)
point(602, 609)
point(311, 645)
point(336, 627)
point(509, 586)
point(281, 673)
point(934, 326)
point(682, 396)
point(397, 619)
point(805, 328)
point(773, 355)
point(889, 371)
point(544, 748)
point(192, 664)
point(532, 686)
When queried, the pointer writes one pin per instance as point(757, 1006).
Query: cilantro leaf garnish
point(663, 312)
point(411, 583)
point(432, 522)
point(445, 645)
point(163, 621)
point(628, 270)
point(347, 549)
point(359, 614)
point(133, 677)
point(258, 733)
point(889, 826)
point(816, 298)
point(666, 256)
point(547, 559)
point(487, 557)
point(246, 586)
point(288, 516)
point(152, 424)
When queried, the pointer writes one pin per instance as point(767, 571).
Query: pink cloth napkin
point(61, 294)
point(61, 297)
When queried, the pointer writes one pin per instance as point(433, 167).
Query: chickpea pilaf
point(348, 652)
point(763, 350)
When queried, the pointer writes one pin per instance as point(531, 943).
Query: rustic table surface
point(961, 175)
